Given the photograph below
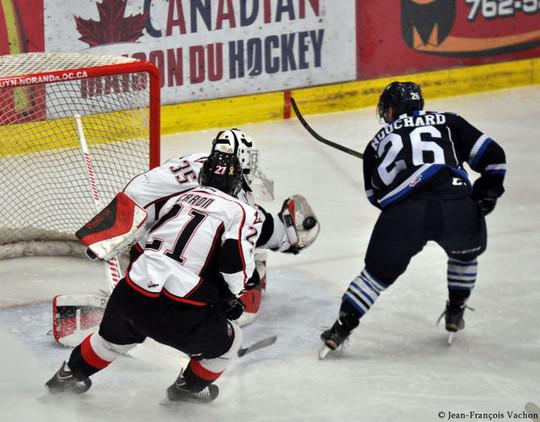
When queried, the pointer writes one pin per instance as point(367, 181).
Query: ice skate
point(65, 382)
point(179, 391)
point(334, 337)
point(453, 318)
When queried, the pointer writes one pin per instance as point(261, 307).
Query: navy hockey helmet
point(222, 171)
point(402, 97)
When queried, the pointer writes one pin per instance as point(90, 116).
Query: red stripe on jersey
point(91, 357)
point(183, 299)
point(139, 288)
point(202, 372)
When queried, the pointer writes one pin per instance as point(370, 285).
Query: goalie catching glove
point(114, 229)
point(300, 222)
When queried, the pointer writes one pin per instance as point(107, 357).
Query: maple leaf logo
point(112, 26)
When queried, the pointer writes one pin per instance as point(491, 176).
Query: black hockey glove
point(486, 205)
point(485, 192)
point(232, 307)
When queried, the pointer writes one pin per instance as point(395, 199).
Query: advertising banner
point(419, 35)
point(21, 26)
point(21, 31)
point(215, 48)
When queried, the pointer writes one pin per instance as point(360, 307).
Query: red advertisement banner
point(21, 31)
point(422, 35)
point(21, 26)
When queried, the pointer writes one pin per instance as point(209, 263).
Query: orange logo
point(426, 27)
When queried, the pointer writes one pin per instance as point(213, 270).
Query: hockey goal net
point(44, 184)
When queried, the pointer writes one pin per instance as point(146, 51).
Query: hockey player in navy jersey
point(183, 289)
point(413, 172)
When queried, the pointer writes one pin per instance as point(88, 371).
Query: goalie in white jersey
point(294, 228)
point(183, 289)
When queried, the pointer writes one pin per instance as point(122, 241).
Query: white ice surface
point(397, 367)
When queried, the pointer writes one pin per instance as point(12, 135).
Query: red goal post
point(43, 181)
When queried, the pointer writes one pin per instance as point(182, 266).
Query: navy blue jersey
point(407, 152)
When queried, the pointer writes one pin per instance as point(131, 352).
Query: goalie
point(133, 212)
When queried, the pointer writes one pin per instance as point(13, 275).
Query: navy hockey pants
point(403, 229)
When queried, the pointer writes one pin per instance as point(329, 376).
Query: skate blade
point(451, 338)
point(324, 352)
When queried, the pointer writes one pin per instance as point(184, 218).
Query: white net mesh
point(43, 181)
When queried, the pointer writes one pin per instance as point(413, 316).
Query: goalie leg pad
point(76, 316)
point(115, 228)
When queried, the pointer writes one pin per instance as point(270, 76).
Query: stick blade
point(265, 342)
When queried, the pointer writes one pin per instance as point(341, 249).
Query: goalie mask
point(234, 141)
point(222, 171)
point(402, 97)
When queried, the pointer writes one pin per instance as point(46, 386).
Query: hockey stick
point(319, 137)
point(74, 316)
point(265, 342)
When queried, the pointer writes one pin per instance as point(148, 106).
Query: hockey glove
point(300, 222)
point(486, 205)
point(485, 192)
point(232, 307)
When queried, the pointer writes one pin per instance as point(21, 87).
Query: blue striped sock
point(363, 291)
point(461, 276)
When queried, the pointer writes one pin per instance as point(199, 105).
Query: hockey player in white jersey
point(183, 289)
point(294, 228)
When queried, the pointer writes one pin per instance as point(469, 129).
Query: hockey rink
point(397, 366)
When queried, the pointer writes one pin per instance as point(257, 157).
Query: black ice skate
point(453, 318)
point(65, 382)
point(181, 392)
point(334, 337)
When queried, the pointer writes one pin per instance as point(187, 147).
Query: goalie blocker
point(114, 229)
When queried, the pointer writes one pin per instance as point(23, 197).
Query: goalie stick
point(71, 321)
point(319, 137)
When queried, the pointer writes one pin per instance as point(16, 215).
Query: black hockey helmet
point(236, 142)
point(222, 171)
point(403, 97)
